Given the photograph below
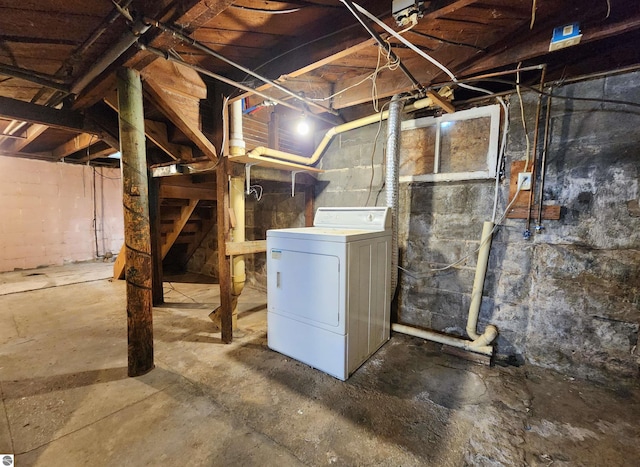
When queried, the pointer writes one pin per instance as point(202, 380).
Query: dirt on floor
point(66, 399)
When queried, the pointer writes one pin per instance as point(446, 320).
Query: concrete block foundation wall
point(47, 213)
point(568, 298)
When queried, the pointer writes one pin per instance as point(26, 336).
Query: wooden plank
point(172, 110)
point(441, 102)
point(157, 286)
point(519, 208)
point(184, 192)
point(185, 214)
point(549, 212)
point(75, 144)
point(157, 132)
point(176, 78)
point(120, 263)
point(244, 248)
point(106, 152)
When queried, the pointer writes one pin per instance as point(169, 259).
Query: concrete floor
point(66, 399)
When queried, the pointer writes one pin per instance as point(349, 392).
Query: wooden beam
point(206, 227)
point(186, 192)
point(244, 248)
point(508, 53)
point(224, 263)
point(106, 152)
point(75, 144)
point(157, 132)
point(157, 289)
point(136, 223)
point(441, 102)
point(171, 108)
point(33, 113)
point(178, 225)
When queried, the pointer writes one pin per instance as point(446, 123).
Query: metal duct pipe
point(393, 180)
point(127, 40)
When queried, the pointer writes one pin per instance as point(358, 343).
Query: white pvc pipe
point(478, 281)
point(236, 138)
point(262, 151)
point(471, 346)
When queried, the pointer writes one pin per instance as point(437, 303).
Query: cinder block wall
point(47, 212)
point(567, 298)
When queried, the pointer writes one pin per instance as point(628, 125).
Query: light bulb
point(303, 127)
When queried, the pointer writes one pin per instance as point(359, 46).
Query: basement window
point(458, 146)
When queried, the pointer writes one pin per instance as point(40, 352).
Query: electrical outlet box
point(524, 181)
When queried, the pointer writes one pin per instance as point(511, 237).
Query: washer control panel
point(375, 218)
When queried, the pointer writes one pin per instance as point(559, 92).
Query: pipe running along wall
point(262, 151)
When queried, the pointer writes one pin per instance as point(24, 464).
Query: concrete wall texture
point(47, 213)
point(569, 297)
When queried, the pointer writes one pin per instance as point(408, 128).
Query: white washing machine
point(328, 288)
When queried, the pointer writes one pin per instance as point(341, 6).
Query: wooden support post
point(137, 235)
point(224, 263)
point(156, 241)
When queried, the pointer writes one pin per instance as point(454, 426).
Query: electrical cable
point(567, 98)
point(373, 153)
point(265, 10)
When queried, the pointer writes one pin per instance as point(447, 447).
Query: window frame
point(491, 111)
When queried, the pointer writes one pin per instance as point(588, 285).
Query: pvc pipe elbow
point(488, 336)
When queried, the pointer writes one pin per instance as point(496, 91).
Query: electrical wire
point(266, 10)
point(567, 98)
point(534, 5)
point(373, 153)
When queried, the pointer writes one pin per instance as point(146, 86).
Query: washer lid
point(375, 218)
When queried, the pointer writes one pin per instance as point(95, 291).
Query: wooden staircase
point(187, 215)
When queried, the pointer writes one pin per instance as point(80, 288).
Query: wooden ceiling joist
point(55, 118)
point(75, 144)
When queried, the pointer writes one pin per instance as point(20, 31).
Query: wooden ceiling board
point(238, 38)
point(97, 8)
point(44, 25)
